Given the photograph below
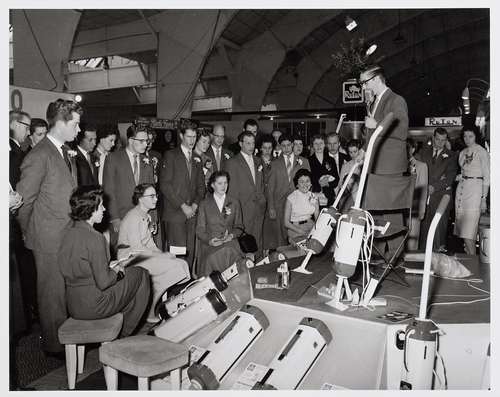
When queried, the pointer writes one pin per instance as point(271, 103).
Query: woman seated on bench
point(136, 237)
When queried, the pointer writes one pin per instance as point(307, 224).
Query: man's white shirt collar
point(186, 151)
point(57, 143)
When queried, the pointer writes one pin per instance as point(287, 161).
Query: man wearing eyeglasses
point(216, 152)
point(123, 171)
point(389, 158)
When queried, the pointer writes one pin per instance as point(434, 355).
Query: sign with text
point(352, 92)
point(443, 121)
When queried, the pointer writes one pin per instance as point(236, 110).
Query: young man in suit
point(442, 165)
point(123, 171)
point(86, 168)
point(389, 158)
point(250, 125)
point(48, 177)
point(280, 185)
point(182, 184)
point(247, 185)
point(106, 138)
point(216, 152)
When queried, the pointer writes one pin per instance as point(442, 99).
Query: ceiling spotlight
point(350, 23)
point(78, 98)
point(465, 93)
point(271, 118)
point(371, 49)
point(318, 116)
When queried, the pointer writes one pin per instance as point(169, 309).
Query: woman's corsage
point(227, 156)
point(260, 168)
point(197, 159)
point(97, 164)
point(227, 210)
point(299, 161)
point(327, 166)
point(444, 155)
point(145, 160)
point(312, 198)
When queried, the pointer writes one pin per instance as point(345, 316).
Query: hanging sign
point(443, 121)
point(352, 92)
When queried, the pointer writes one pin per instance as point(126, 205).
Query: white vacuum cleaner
point(228, 348)
point(297, 357)
point(421, 334)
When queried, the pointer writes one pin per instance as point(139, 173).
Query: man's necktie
point(188, 163)
point(217, 158)
point(65, 156)
point(136, 169)
point(288, 165)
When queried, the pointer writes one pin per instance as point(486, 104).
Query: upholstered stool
point(76, 333)
point(143, 356)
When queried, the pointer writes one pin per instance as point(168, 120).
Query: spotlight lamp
point(78, 98)
point(350, 24)
point(371, 49)
point(477, 89)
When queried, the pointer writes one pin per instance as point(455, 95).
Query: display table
point(362, 353)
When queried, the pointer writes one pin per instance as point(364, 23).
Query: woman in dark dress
point(95, 289)
point(323, 170)
point(218, 227)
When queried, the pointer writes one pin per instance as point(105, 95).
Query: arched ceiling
point(428, 54)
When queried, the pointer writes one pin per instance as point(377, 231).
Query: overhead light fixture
point(371, 49)
point(480, 91)
point(318, 116)
point(465, 93)
point(271, 118)
point(350, 23)
point(78, 98)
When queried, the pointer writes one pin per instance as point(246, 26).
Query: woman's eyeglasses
point(151, 195)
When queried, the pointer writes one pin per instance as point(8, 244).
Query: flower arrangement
point(351, 59)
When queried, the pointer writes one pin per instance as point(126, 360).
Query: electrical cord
point(40, 50)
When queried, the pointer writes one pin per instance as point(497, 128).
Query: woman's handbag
point(247, 242)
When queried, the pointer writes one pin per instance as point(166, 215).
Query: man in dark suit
point(22, 275)
point(123, 171)
point(333, 146)
point(19, 129)
point(48, 177)
point(389, 157)
point(106, 137)
point(247, 185)
point(283, 169)
point(216, 151)
point(443, 167)
point(250, 125)
point(86, 168)
point(182, 184)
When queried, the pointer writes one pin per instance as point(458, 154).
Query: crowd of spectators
point(80, 207)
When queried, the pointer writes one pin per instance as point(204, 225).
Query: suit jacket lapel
point(62, 164)
point(381, 104)
point(126, 165)
point(247, 168)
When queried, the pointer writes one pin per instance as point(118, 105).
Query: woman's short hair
point(354, 143)
point(299, 174)
point(84, 202)
point(475, 130)
point(213, 178)
point(317, 136)
point(139, 191)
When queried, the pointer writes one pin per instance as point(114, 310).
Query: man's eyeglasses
point(151, 195)
point(218, 136)
point(141, 140)
point(22, 122)
point(362, 82)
